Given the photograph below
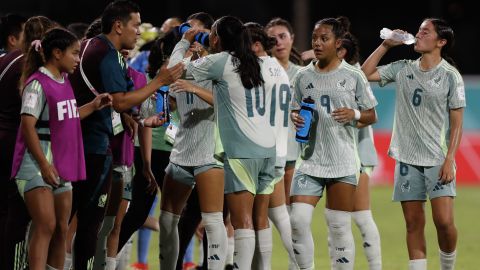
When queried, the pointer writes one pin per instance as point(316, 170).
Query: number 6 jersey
point(331, 151)
point(423, 100)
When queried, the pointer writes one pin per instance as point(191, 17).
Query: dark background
point(367, 18)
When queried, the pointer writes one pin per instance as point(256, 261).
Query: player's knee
point(443, 224)
point(301, 217)
point(242, 221)
point(62, 228)
point(47, 227)
point(414, 222)
point(339, 222)
point(414, 226)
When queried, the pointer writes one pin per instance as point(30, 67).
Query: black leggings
point(142, 202)
point(89, 202)
point(14, 217)
point(189, 221)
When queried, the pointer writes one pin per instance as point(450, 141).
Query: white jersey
point(242, 121)
point(293, 146)
point(194, 142)
point(276, 79)
point(421, 131)
point(331, 151)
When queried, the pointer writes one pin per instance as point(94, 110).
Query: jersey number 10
point(283, 99)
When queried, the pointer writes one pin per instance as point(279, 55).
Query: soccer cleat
point(139, 266)
point(189, 266)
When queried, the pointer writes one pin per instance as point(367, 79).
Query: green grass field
point(388, 216)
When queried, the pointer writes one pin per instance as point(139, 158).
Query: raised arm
point(369, 67)
point(123, 101)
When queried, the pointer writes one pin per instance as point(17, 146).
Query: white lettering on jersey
point(68, 107)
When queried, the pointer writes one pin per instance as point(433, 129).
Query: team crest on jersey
point(435, 82)
point(342, 84)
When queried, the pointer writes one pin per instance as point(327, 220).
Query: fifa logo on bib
point(67, 108)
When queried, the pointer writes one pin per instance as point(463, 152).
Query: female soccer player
point(192, 164)
point(427, 132)
point(361, 215)
point(44, 173)
point(289, 59)
point(240, 114)
point(343, 101)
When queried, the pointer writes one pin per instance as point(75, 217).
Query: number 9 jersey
point(331, 151)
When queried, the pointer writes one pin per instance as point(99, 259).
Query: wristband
point(357, 114)
point(142, 122)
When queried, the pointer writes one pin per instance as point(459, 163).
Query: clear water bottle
point(405, 38)
point(306, 112)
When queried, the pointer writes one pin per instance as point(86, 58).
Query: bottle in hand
point(306, 112)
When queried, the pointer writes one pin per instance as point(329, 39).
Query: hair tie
point(37, 45)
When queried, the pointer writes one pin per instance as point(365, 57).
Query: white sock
point(217, 239)
point(302, 240)
point(123, 256)
point(340, 231)
point(329, 241)
point(447, 260)
point(111, 263)
point(169, 242)
point(244, 249)
point(371, 238)
point(200, 252)
point(67, 265)
point(281, 219)
point(263, 249)
point(50, 268)
point(99, 261)
point(420, 264)
point(231, 248)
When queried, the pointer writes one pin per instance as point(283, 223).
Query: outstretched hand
point(167, 76)
point(103, 100)
point(182, 86)
point(154, 120)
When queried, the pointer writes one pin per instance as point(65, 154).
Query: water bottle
point(162, 104)
point(201, 37)
point(306, 112)
point(405, 38)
